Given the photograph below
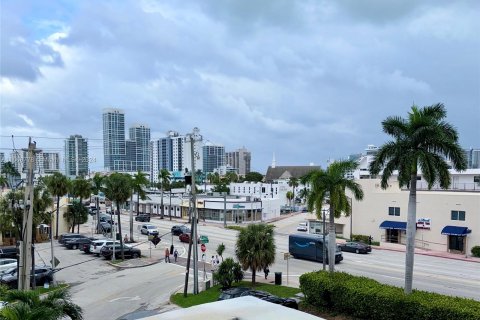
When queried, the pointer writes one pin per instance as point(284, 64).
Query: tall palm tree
point(164, 179)
point(289, 196)
point(293, 182)
point(29, 305)
point(3, 182)
point(81, 189)
point(422, 141)
point(118, 188)
point(331, 184)
point(255, 248)
point(57, 185)
point(97, 187)
point(139, 181)
point(10, 172)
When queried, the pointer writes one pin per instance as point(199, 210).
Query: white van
point(302, 226)
point(97, 245)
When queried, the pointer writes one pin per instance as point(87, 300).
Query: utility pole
point(225, 210)
point(194, 213)
point(26, 244)
point(170, 206)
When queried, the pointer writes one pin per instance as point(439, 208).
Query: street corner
point(133, 263)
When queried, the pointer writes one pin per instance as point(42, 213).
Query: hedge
point(364, 239)
point(476, 251)
point(365, 298)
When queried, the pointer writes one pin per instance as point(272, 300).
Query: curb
point(133, 267)
point(427, 254)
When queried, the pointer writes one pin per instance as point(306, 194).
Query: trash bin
point(278, 278)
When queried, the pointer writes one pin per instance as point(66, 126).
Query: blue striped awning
point(397, 225)
point(456, 231)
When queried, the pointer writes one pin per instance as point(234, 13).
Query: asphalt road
point(105, 292)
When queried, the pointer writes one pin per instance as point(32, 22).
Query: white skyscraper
point(114, 147)
point(76, 156)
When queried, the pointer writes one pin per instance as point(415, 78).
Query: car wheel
point(135, 256)
point(75, 247)
point(357, 251)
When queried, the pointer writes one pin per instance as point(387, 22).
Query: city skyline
point(306, 81)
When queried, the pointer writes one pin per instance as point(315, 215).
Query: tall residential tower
point(114, 148)
point(76, 156)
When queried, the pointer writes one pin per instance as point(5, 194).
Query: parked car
point(8, 252)
point(302, 226)
point(179, 229)
point(128, 252)
point(97, 245)
point(7, 263)
point(242, 291)
point(357, 247)
point(75, 243)
point(142, 217)
point(105, 227)
point(65, 236)
point(42, 274)
point(148, 229)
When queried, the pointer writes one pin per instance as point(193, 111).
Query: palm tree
point(164, 178)
point(82, 189)
point(293, 182)
point(29, 305)
point(3, 182)
point(255, 248)
point(139, 181)
point(118, 188)
point(423, 140)
point(97, 187)
point(10, 172)
point(57, 185)
point(331, 184)
point(289, 196)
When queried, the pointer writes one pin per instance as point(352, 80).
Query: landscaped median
point(213, 293)
point(365, 298)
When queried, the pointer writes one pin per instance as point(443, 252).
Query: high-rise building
point(50, 162)
point(213, 157)
point(473, 158)
point(197, 151)
point(45, 162)
point(177, 151)
point(239, 160)
point(76, 156)
point(2, 160)
point(114, 148)
point(138, 152)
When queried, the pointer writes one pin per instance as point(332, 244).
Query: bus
point(310, 247)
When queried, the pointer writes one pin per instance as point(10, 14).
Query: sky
point(306, 81)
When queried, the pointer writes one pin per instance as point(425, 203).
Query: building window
point(458, 215)
point(394, 211)
point(476, 179)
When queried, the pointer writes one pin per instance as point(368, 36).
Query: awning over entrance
point(397, 225)
point(456, 231)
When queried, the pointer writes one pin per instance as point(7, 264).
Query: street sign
point(286, 255)
point(203, 247)
point(57, 262)
point(155, 240)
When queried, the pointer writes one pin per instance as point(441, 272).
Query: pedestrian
point(217, 261)
point(212, 263)
point(125, 239)
point(370, 240)
point(175, 254)
point(167, 255)
point(266, 271)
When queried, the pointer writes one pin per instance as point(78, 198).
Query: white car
point(148, 229)
point(97, 245)
point(302, 226)
point(7, 263)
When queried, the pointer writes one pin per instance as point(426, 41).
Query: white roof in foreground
point(244, 308)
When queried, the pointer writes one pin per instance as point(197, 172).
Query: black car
point(242, 291)
point(42, 275)
point(105, 227)
point(75, 243)
point(178, 230)
point(8, 252)
point(142, 217)
point(356, 247)
point(129, 252)
point(65, 236)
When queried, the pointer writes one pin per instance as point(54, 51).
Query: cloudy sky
point(304, 80)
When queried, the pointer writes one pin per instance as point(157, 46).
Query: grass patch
point(42, 290)
point(212, 294)
point(238, 228)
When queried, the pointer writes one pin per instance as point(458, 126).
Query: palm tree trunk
point(58, 212)
point(97, 205)
point(161, 204)
point(131, 218)
point(411, 229)
point(120, 231)
point(253, 277)
point(332, 245)
point(78, 222)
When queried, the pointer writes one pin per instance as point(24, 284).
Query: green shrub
point(228, 272)
point(238, 228)
point(476, 251)
point(365, 298)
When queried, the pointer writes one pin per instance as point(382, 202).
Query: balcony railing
point(471, 187)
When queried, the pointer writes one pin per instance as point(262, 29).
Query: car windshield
point(151, 227)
